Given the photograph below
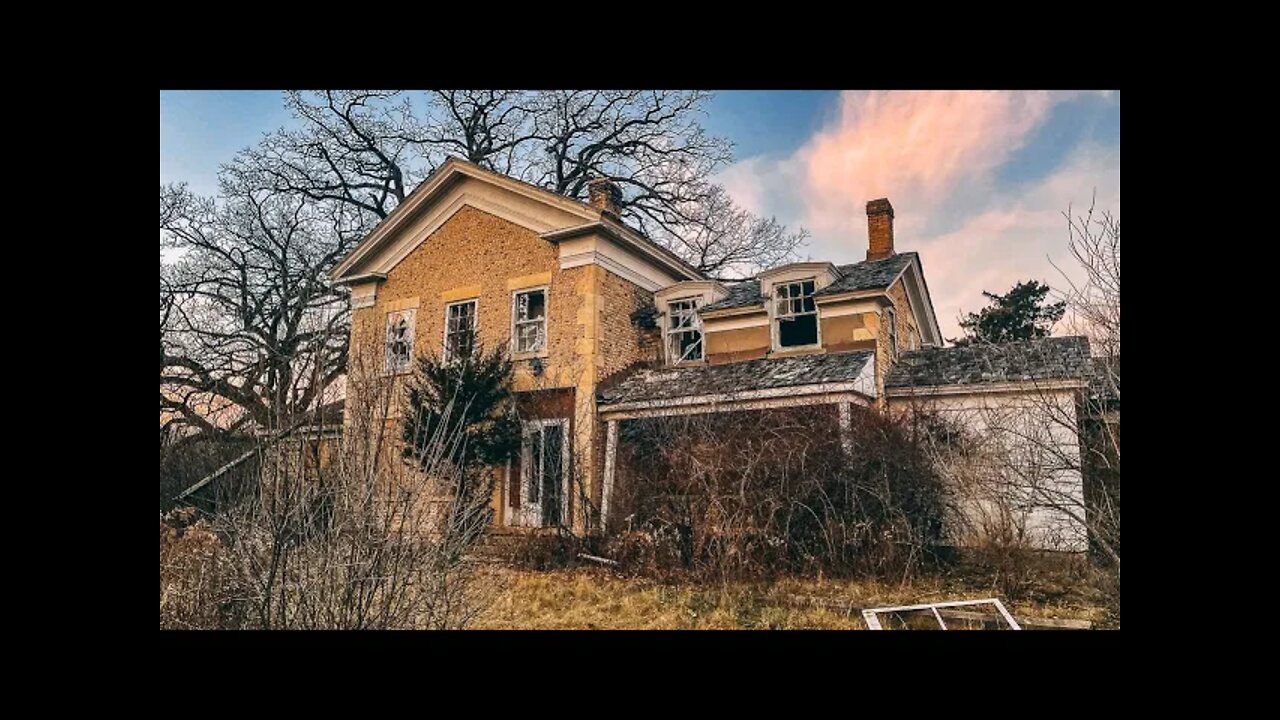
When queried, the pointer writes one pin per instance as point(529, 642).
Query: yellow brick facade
point(591, 333)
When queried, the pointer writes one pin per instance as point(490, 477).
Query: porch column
point(610, 451)
point(846, 427)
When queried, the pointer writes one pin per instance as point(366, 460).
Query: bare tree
point(336, 533)
point(368, 149)
point(248, 321)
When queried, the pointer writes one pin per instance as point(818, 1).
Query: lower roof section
point(849, 375)
point(1042, 359)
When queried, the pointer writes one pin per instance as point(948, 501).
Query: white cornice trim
point(444, 177)
point(595, 257)
point(628, 239)
point(721, 402)
point(463, 200)
point(1021, 386)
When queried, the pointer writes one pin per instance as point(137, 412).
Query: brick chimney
point(879, 229)
point(604, 195)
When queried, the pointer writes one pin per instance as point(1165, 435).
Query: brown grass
point(590, 598)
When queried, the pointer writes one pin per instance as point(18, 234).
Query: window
point(459, 329)
point(684, 331)
point(542, 472)
point(400, 340)
point(891, 317)
point(795, 314)
point(531, 321)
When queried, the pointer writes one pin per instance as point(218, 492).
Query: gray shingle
point(761, 374)
point(865, 275)
point(1050, 358)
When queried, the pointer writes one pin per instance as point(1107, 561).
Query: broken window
point(399, 346)
point(684, 331)
point(459, 329)
point(542, 470)
point(989, 614)
point(891, 317)
point(531, 321)
point(796, 314)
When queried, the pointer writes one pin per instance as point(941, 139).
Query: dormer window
point(684, 331)
point(795, 315)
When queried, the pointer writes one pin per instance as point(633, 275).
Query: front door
point(537, 498)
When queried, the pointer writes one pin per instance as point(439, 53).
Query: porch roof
point(1051, 358)
point(835, 372)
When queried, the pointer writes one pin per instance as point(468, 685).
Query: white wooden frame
point(522, 516)
point(475, 323)
point(775, 334)
point(412, 327)
point(891, 316)
point(546, 321)
point(668, 331)
point(873, 622)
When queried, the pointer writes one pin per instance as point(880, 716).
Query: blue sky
point(978, 180)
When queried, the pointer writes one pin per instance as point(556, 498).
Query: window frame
point(516, 352)
point(891, 316)
point(669, 333)
point(475, 323)
point(522, 516)
point(775, 319)
point(410, 318)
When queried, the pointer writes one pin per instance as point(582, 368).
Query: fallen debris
point(938, 609)
point(597, 559)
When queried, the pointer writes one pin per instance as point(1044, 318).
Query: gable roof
point(454, 170)
point(760, 374)
point(1051, 358)
point(865, 275)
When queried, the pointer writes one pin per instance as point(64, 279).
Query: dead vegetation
point(598, 599)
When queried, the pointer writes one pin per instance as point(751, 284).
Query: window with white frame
point(684, 331)
point(543, 465)
point(891, 317)
point(399, 343)
point(459, 329)
point(530, 314)
point(795, 314)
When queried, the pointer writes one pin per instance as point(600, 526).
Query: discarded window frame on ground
point(933, 613)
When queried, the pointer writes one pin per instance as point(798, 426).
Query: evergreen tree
point(1020, 314)
point(466, 407)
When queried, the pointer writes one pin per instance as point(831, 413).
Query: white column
point(610, 450)
point(846, 427)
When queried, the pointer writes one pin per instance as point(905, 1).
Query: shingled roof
point(865, 275)
point(761, 374)
point(1053, 358)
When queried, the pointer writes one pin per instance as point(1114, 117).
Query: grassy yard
point(590, 598)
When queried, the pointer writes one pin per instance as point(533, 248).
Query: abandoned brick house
point(563, 282)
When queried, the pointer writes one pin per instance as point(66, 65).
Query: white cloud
point(935, 156)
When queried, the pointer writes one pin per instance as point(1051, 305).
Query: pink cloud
point(935, 155)
point(913, 147)
point(1020, 236)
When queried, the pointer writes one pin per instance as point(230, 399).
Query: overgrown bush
point(363, 540)
point(769, 491)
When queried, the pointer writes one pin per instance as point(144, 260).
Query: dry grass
point(589, 598)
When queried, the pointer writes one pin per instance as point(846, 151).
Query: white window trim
point(775, 337)
point(668, 332)
point(519, 516)
point(475, 324)
point(412, 323)
point(546, 321)
point(891, 317)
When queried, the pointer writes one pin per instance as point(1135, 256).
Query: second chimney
point(605, 195)
point(879, 229)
